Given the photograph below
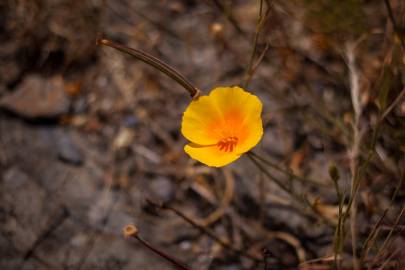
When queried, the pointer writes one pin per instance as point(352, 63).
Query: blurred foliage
point(340, 18)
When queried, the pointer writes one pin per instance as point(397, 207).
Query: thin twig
point(128, 7)
point(385, 243)
point(286, 171)
point(260, 23)
point(393, 104)
point(382, 267)
point(374, 233)
point(96, 233)
point(173, 260)
point(338, 238)
point(394, 24)
point(131, 230)
point(54, 224)
point(205, 230)
point(229, 16)
point(314, 212)
point(253, 157)
point(261, 57)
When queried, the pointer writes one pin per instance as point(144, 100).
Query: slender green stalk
point(285, 171)
point(314, 212)
point(253, 157)
point(154, 62)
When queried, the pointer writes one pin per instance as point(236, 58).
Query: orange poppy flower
point(222, 126)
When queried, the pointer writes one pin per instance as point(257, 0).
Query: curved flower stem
point(154, 62)
point(226, 200)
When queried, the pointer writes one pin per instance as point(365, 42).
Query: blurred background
point(88, 133)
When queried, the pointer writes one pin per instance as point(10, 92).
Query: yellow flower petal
point(210, 155)
point(247, 109)
point(197, 119)
point(222, 125)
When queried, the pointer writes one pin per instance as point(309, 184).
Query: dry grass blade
point(374, 232)
point(394, 24)
point(393, 104)
point(388, 238)
point(225, 202)
point(326, 261)
point(355, 147)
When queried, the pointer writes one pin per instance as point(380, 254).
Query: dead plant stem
point(286, 171)
point(393, 104)
point(169, 258)
point(154, 62)
point(355, 148)
point(131, 231)
point(394, 24)
point(205, 230)
point(252, 66)
point(314, 212)
point(385, 243)
point(374, 232)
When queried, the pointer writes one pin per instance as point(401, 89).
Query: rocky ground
point(87, 134)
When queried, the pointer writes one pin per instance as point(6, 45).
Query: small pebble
point(68, 152)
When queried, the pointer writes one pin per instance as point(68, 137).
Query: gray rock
point(37, 97)
point(68, 151)
point(162, 189)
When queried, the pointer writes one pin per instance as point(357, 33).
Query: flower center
point(227, 144)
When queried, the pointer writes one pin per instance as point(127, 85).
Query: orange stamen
point(227, 144)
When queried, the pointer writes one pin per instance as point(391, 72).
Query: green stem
point(287, 172)
point(313, 214)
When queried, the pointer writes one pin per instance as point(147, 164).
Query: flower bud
point(333, 173)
